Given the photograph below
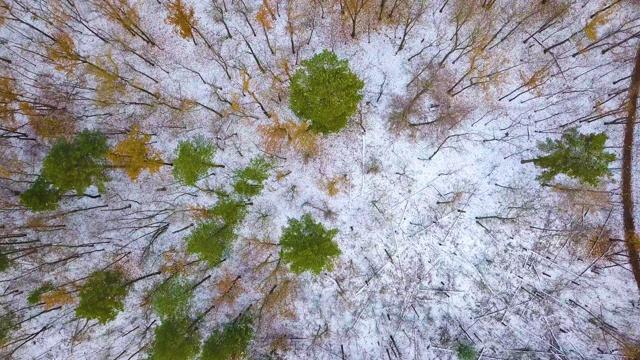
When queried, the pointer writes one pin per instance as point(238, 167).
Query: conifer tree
point(102, 296)
point(5, 262)
point(171, 299)
point(249, 181)
point(133, 154)
point(41, 196)
point(7, 326)
point(308, 246)
point(466, 352)
point(325, 92)
point(576, 155)
point(230, 342)
point(174, 340)
point(78, 164)
point(194, 159)
point(210, 241)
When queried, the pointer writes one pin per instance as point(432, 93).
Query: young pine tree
point(325, 92)
point(308, 246)
point(78, 164)
point(34, 296)
point(102, 296)
point(5, 262)
point(249, 181)
point(210, 240)
point(41, 196)
point(174, 340)
point(466, 352)
point(230, 342)
point(576, 155)
point(171, 299)
point(194, 159)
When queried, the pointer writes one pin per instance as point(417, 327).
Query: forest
point(319, 179)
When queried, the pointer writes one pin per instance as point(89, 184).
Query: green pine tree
point(308, 246)
point(102, 296)
point(7, 326)
point(78, 164)
point(194, 159)
point(250, 180)
point(576, 155)
point(41, 196)
point(172, 298)
point(230, 342)
point(174, 340)
point(466, 352)
point(230, 210)
point(325, 92)
point(5, 262)
point(34, 296)
point(210, 240)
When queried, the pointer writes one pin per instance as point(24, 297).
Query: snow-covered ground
point(448, 239)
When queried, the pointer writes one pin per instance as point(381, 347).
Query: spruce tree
point(194, 159)
point(102, 296)
point(325, 92)
point(579, 156)
point(308, 246)
point(230, 342)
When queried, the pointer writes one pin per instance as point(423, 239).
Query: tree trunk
point(630, 237)
point(131, 282)
point(527, 161)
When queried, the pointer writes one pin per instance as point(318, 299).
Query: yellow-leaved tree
point(182, 17)
point(134, 154)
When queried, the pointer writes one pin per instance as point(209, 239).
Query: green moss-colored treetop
point(579, 156)
point(308, 246)
point(172, 298)
point(41, 196)
point(102, 296)
point(78, 164)
point(194, 159)
point(325, 92)
point(249, 181)
point(175, 341)
point(230, 342)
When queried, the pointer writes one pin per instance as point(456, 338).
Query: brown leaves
point(8, 96)
point(263, 17)
point(56, 298)
point(182, 17)
point(291, 134)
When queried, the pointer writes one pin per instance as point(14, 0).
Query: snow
point(419, 271)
